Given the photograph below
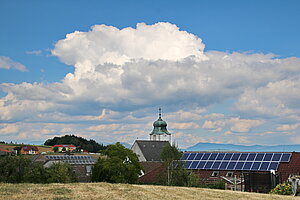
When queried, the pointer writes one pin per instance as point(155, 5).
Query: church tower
point(160, 132)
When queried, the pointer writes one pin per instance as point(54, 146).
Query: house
point(64, 148)
point(26, 150)
point(81, 164)
point(245, 171)
point(4, 152)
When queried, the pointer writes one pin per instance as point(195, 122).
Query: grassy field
point(42, 148)
point(121, 191)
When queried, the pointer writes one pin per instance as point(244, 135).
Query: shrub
point(283, 189)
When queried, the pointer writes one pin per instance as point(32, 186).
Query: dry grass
point(42, 148)
point(121, 191)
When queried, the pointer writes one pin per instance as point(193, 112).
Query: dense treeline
point(89, 145)
point(19, 169)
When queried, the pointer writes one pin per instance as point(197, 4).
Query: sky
point(222, 71)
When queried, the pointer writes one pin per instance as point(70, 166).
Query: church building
point(150, 150)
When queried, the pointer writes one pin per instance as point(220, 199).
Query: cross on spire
point(159, 112)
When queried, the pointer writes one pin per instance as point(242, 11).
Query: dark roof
point(73, 159)
point(152, 149)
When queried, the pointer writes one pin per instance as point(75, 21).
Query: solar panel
point(187, 164)
point(205, 156)
point(220, 156)
point(255, 165)
point(194, 164)
point(251, 156)
point(213, 156)
point(198, 156)
point(268, 157)
point(228, 161)
point(223, 165)
point(276, 156)
point(228, 156)
point(185, 156)
point(259, 156)
point(208, 164)
point(273, 166)
point(247, 166)
point(201, 165)
point(244, 156)
point(264, 166)
point(239, 165)
point(236, 156)
point(216, 165)
point(192, 156)
point(285, 157)
point(231, 165)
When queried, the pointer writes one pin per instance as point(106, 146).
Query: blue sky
point(235, 81)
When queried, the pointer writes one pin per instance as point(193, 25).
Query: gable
point(151, 150)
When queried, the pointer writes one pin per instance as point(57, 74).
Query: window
point(229, 174)
point(215, 173)
point(88, 168)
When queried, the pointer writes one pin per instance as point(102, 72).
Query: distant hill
point(243, 148)
point(89, 145)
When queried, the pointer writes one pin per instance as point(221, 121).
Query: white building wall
point(136, 149)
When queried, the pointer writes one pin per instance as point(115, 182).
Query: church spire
point(159, 113)
point(160, 131)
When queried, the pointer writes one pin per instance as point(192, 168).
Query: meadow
point(122, 191)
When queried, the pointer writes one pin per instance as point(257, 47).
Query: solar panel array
point(235, 161)
point(73, 159)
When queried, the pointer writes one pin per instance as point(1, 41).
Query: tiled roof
point(4, 150)
point(28, 148)
point(64, 145)
point(151, 149)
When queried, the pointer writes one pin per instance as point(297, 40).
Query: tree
point(13, 169)
point(55, 149)
point(36, 173)
point(169, 154)
point(19, 169)
point(176, 172)
point(60, 173)
point(119, 165)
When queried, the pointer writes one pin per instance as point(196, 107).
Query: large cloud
point(107, 44)
point(140, 68)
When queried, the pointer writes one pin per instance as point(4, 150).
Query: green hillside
point(121, 191)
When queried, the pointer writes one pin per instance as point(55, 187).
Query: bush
point(283, 189)
point(60, 173)
point(19, 169)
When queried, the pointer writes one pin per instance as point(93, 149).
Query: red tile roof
point(64, 145)
point(28, 148)
point(5, 150)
